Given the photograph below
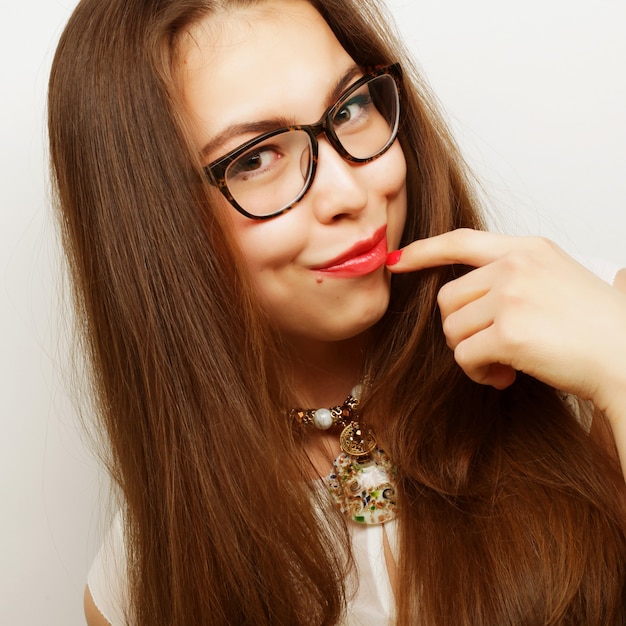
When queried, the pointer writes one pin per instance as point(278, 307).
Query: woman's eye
point(253, 162)
point(352, 109)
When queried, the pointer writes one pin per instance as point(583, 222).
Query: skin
point(530, 307)
point(324, 317)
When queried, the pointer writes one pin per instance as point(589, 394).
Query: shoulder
point(92, 614)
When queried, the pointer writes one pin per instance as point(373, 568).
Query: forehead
point(277, 58)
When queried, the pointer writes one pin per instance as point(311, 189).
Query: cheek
point(268, 249)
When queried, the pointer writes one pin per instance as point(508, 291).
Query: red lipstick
point(361, 259)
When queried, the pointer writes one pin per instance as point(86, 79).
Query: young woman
point(298, 436)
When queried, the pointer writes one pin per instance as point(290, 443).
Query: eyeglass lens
point(274, 173)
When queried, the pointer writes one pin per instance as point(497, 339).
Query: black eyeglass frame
point(216, 171)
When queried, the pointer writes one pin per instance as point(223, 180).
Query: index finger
point(463, 246)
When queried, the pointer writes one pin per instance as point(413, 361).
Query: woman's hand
point(528, 307)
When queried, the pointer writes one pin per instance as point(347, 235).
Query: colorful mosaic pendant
point(363, 487)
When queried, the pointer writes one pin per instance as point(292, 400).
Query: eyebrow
point(265, 126)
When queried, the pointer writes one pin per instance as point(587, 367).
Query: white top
point(369, 591)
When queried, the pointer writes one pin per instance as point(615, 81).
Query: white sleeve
point(107, 578)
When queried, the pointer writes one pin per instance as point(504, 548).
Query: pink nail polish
point(394, 257)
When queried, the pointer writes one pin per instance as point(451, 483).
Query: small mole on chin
point(319, 279)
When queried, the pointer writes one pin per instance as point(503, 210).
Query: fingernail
point(394, 257)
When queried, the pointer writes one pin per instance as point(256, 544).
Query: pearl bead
point(322, 419)
point(356, 391)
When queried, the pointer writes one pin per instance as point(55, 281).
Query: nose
point(338, 189)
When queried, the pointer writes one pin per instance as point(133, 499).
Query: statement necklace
point(362, 479)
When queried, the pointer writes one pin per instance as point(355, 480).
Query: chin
point(362, 315)
point(344, 325)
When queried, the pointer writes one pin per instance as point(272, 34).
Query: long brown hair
point(509, 512)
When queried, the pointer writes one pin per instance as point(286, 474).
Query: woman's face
point(275, 64)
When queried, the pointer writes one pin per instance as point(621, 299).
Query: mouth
point(361, 259)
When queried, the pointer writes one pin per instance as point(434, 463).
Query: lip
point(363, 258)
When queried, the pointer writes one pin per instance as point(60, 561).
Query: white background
point(536, 95)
